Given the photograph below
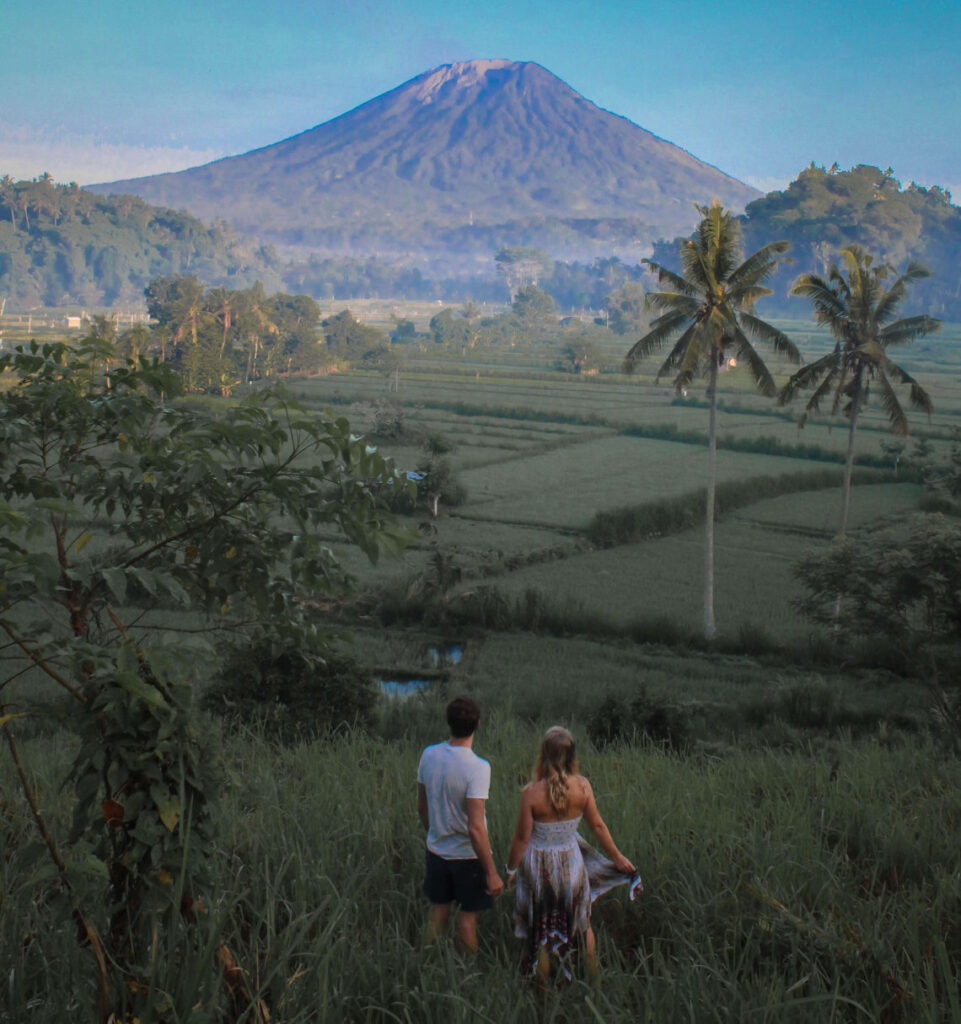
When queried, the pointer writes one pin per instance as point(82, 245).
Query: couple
point(556, 875)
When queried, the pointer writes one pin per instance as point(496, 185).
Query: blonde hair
point(556, 763)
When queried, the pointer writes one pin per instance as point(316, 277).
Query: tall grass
point(779, 888)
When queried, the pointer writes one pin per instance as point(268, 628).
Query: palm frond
point(891, 405)
point(717, 237)
point(766, 332)
point(820, 392)
point(759, 266)
point(696, 268)
point(829, 305)
point(676, 356)
point(907, 329)
point(887, 305)
point(763, 380)
point(808, 376)
point(686, 304)
point(690, 361)
point(725, 248)
point(920, 399)
point(661, 331)
point(747, 298)
point(855, 258)
point(914, 271)
point(665, 276)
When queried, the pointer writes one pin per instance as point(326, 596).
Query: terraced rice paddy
point(540, 454)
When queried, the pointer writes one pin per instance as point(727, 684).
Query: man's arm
point(480, 841)
point(423, 812)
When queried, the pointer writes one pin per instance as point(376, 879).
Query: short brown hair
point(463, 714)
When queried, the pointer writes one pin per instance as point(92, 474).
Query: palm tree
point(708, 314)
point(854, 304)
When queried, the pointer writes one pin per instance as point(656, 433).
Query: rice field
point(539, 458)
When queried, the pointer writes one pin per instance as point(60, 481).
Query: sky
point(96, 90)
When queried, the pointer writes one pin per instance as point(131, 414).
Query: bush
point(617, 721)
point(291, 690)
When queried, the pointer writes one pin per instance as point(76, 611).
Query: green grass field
point(778, 887)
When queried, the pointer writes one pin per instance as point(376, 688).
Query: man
point(453, 784)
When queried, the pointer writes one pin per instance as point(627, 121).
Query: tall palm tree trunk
point(849, 463)
point(848, 479)
point(709, 511)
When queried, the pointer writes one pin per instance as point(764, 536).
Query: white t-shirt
point(452, 775)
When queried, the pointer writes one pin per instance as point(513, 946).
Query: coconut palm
point(853, 302)
point(709, 314)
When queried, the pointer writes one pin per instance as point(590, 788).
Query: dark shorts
point(461, 881)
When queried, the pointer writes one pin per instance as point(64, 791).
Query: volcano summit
point(457, 162)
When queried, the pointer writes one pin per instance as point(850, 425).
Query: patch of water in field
point(404, 687)
point(449, 654)
point(441, 656)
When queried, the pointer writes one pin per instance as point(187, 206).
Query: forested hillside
point(823, 210)
point(62, 244)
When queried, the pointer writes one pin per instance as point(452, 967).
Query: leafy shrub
point(616, 721)
point(290, 690)
point(388, 419)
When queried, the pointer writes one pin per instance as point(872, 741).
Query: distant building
point(75, 322)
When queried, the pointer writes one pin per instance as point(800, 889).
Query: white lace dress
point(558, 879)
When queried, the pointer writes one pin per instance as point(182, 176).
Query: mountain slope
point(462, 157)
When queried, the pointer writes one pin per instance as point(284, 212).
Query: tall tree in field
point(853, 302)
point(708, 314)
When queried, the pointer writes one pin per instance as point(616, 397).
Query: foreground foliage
point(136, 533)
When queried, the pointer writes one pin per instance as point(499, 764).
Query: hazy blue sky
point(102, 89)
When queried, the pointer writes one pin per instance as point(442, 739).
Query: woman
point(557, 875)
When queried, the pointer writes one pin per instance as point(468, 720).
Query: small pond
point(404, 687)
point(401, 684)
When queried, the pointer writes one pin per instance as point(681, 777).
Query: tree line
point(61, 244)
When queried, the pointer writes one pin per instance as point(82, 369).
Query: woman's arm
point(602, 834)
point(522, 834)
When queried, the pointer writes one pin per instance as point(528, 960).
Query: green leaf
point(168, 807)
point(116, 580)
point(60, 506)
point(127, 676)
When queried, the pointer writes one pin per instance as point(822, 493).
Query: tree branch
point(48, 839)
point(42, 664)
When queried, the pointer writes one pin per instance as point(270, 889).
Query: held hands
point(494, 884)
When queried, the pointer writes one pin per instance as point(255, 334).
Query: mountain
point(464, 158)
